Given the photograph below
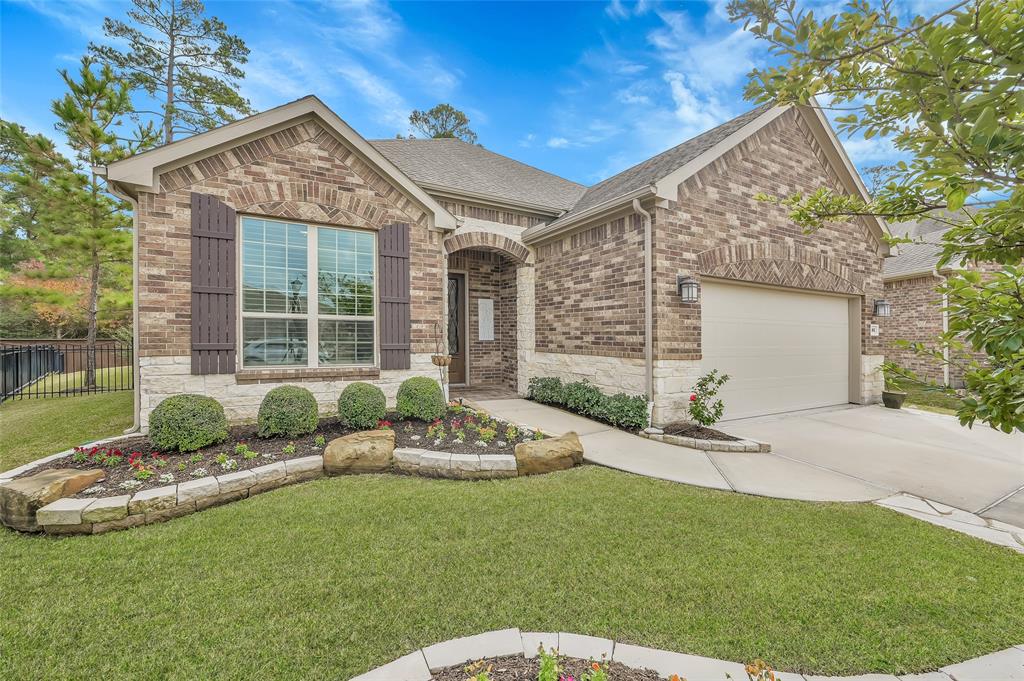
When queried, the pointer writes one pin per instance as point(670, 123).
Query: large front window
point(283, 316)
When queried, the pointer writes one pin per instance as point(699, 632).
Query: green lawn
point(330, 578)
point(34, 428)
point(921, 397)
point(112, 376)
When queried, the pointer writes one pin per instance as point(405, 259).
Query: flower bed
point(134, 464)
point(522, 668)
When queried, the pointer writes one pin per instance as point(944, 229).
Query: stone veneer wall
point(589, 291)
point(489, 275)
point(916, 317)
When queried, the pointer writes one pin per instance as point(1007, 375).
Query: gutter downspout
point(945, 328)
point(648, 309)
point(137, 393)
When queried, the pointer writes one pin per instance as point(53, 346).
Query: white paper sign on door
point(485, 315)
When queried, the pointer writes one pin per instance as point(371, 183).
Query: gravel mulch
point(684, 429)
point(519, 668)
point(480, 434)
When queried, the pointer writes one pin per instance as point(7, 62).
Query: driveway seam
point(1000, 500)
point(714, 463)
point(832, 470)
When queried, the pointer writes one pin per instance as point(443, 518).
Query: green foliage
point(421, 398)
point(549, 669)
point(620, 410)
point(288, 410)
point(546, 390)
point(362, 405)
point(947, 90)
point(704, 408)
point(186, 61)
point(187, 422)
point(443, 120)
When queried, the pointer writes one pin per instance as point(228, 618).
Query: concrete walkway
point(1005, 665)
point(921, 464)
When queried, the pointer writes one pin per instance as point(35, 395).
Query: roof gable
point(141, 172)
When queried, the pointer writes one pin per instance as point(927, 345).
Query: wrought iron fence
point(63, 369)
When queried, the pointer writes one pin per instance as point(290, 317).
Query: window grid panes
point(280, 322)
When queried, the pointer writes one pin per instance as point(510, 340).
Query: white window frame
point(312, 315)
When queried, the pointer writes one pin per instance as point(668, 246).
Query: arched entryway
point(482, 313)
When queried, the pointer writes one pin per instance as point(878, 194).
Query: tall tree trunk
point(169, 81)
point(92, 317)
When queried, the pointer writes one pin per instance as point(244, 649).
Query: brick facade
point(482, 212)
point(589, 291)
point(917, 317)
point(717, 228)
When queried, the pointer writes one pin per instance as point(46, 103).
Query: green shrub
point(287, 410)
point(704, 408)
point(187, 422)
point(583, 398)
point(421, 398)
point(361, 405)
point(546, 390)
point(625, 411)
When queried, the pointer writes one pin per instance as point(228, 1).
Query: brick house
point(416, 245)
point(912, 277)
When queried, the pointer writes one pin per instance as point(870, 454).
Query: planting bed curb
point(419, 665)
point(742, 445)
point(346, 454)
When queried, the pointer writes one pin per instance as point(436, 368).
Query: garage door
point(784, 350)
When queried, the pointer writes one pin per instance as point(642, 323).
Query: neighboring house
point(419, 244)
point(912, 278)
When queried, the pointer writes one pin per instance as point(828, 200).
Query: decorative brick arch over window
point(780, 264)
point(308, 201)
point(489, 241)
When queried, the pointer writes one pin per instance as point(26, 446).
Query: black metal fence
point(63, 369)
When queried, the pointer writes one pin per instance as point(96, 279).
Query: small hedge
point(421, 398)
point(361, 405)
point(186, 423)
point(620, 410)
point(287, 410)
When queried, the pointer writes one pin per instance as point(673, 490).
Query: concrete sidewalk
point(916, 463)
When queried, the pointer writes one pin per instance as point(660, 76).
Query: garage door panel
point(784, 350)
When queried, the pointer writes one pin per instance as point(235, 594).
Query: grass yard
point(34, 428)
point(920, 397)
point(330, 578)
point(111, 376)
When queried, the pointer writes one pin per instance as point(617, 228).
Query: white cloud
point(527, 140)
point(84, 17)
point(558, 143)
point(618, 10)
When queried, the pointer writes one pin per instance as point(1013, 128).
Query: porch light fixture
point(688, 288)
point(883, 308)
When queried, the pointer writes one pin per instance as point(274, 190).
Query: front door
point(457, 341)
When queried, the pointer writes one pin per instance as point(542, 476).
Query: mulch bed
point(173, 467)
point(684, 429)
point(518, 668)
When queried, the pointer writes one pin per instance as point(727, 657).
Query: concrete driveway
point(928, 455)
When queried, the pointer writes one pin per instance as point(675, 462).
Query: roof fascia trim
point(474, 197)
point(561, 226)
point(141, 172)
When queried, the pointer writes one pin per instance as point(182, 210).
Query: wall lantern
point(883, 308)
point(688, 288)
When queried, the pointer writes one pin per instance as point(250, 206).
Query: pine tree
point(443, 121)
point(188, 64)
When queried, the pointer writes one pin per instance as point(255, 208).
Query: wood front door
point(457, 336)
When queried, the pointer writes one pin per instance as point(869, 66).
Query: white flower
point(438, 442)
point(199, 473)
point(268, 455)
point(414, 438)
point(501, 443)
point(130, 484)
point(480, 443)
point(95, 489)
point(229, 465)
point(166, 478)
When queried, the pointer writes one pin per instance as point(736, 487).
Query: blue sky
point(581, 89)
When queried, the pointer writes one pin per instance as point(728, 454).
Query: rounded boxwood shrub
point(421, 398)
point(287, 410)
point(361, 405)
point(187, 422)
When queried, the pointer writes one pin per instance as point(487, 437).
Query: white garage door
point(784, 350)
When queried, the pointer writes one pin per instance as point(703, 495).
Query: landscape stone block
point(156, 499)
point(201, 488)
point(63, 512)
point(551, 454)
point(369, 451)
point(106, 509)
point(234, 482)
point(21, 498)
point(487, 644)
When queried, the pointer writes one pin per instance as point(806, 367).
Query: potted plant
point(893, 393)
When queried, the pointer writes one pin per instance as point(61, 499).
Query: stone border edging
point(419, 665)
point(745, 445)
point(437, 464)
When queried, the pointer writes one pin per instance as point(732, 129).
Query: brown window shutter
point(393, 296)
point(213, 286)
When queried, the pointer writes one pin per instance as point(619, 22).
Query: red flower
point(693, 398)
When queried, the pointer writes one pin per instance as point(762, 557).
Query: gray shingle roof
point(922, 255)
point(457, 165)
point(657, 167)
